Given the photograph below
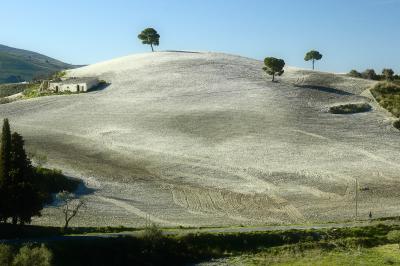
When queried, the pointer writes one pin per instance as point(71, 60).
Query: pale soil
point(207, 139)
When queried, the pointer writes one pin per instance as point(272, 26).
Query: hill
point(184, 138)
point(18, 65)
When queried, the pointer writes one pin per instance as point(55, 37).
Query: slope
point(206, 139)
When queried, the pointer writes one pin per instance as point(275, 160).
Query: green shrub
point(33, 256)
point(396, 124)
point(50, 181)
point(351, 108)
point(394, 236)
point(4, 100)
point(6, 255)
point(387, 94)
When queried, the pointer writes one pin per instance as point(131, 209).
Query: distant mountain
point(18, 65)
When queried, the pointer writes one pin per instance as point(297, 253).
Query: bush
point(351, 108)
point(396, 124)
point(4, 100)
point(152, 233)
point(51, 181)
point(37, 256)
point(387, 94)
point(6, 255)
point(355, 74)
point(394, 236)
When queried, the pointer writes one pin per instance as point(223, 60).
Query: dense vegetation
point(350, 108)
point(387, 75)
point(154, 248)
point(387, 94)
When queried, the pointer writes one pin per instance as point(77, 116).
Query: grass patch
point(387, 94)
point(257, 248)
point(381, 255)
point(351, 108)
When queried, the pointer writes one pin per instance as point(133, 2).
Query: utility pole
point(356, 198)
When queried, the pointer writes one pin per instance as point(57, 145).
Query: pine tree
point(5, 161)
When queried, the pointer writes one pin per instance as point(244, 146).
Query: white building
point(74, 85)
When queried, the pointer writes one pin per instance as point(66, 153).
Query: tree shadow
point(324, 89)
point(101, 86)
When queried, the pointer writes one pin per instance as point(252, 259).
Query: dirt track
point(207, 139)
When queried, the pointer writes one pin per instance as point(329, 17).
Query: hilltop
point(21, 65)
point(185, 138)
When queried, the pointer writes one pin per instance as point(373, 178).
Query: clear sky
point(350, 34)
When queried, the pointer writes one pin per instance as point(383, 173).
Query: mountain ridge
point(18, 65)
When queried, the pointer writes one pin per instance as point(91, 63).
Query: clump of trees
point(387, 75)
point(274, 66)
point(151, 37)
point(20, 200)
point(25, 189)
point(313, 55)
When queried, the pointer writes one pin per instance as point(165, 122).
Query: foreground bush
point(27, 255)
point(33, 256)
point(351, 108)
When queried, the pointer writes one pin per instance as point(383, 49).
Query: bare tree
point(70, 206)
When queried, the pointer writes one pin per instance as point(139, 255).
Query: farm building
point(73, 85)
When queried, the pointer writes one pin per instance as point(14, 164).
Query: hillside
point(20, 65)
point(206, 139)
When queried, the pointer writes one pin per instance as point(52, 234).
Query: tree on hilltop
point(274, 66)
point(314, 56)
point(150, 36)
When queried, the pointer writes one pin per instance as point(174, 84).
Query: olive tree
point(313, 56)
point(70, 206)
point(150, 36)
point(274, 66)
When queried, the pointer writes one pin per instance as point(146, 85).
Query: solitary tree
point(5, 156)
point(313, 55)
point(70, 206)
point(274, 66)
point(150, 36)
point(388, 73)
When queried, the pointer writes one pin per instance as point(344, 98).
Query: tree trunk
point(313, 64)
point(273, 77)
point(152, 48)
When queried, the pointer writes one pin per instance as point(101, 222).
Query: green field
point(381, 255)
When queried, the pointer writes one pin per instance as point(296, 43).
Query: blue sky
point(350, 34)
